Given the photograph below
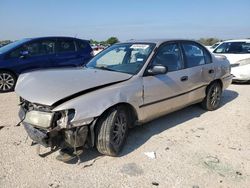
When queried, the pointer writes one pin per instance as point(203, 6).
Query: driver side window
point(35, 49)
point(169, 55)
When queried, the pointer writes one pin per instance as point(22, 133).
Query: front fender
point(93, 104)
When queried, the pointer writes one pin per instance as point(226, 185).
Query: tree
point(208, 41)
point(5, 42)
point(112, 40)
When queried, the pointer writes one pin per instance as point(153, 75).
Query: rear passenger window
point(194, 55)
point(66, 46)
point(82, 45)
point(169, 56)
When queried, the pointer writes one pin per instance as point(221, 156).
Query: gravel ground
point(193, 148)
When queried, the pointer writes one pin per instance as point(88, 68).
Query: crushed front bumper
point(37, 135)
point(55, 136)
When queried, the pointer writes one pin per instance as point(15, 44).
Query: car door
point(201, 70)
point(66, 53)
point(166, 92)
point(36, 54)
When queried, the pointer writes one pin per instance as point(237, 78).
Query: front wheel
point(213, 97)
point(7, 81)
point(112, 130)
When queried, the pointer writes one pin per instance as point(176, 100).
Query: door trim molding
point(168, 98)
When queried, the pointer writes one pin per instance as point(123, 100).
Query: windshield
point(12, 45)
point(215, 45)
point(233, 48)
point(127, 58)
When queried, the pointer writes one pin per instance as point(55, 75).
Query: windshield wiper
point(104, 68)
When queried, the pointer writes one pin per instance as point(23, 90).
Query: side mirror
point(157, 69)
point(24, 54)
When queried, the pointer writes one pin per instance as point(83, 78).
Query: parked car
point(238, 54)
point(125, 85)
point(211, 48)
point(39, 53)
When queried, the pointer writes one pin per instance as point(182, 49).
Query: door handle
point(211, 71)
point(184, 78)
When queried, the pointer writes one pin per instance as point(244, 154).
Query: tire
point(213, 97)
point(7, 81)
point(112, 129)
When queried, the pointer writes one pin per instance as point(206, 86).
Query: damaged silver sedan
point(125, 85)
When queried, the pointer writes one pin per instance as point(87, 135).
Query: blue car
point(40, 53)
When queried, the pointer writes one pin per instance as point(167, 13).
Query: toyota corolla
point(125, 85)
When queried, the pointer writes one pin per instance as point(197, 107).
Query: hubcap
point(119, 130)
point(215, 96)
point(6, 82)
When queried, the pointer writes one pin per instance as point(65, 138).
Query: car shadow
point(141, 134)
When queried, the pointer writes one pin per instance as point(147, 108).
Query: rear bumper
point(227, 81)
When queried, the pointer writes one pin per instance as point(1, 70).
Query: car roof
point(238, 40)
point(156, 41)
point(56, 37)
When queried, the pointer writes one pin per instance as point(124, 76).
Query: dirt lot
point(194, 148)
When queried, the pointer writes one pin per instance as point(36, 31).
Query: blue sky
point(127, 19)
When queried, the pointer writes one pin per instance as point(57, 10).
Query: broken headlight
point(39, 119)
point(65, 119)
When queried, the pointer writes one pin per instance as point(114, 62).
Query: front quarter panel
point(93, 104)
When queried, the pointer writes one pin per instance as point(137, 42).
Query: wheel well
point(130, 109)
point(93, 126)
point(215, 81)
point(6, 70)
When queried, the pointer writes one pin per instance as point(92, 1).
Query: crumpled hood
point(47, 87)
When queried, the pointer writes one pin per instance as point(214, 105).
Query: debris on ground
point(201, 128)
point(209, 160)
point(155, 183)
point(1, 127)
point(150, 155)
point(92, 163)
point(239, 173)
point(17, 143)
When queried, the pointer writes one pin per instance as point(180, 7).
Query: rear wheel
point(213, 97)
point(112, 130)
point(7, 81)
